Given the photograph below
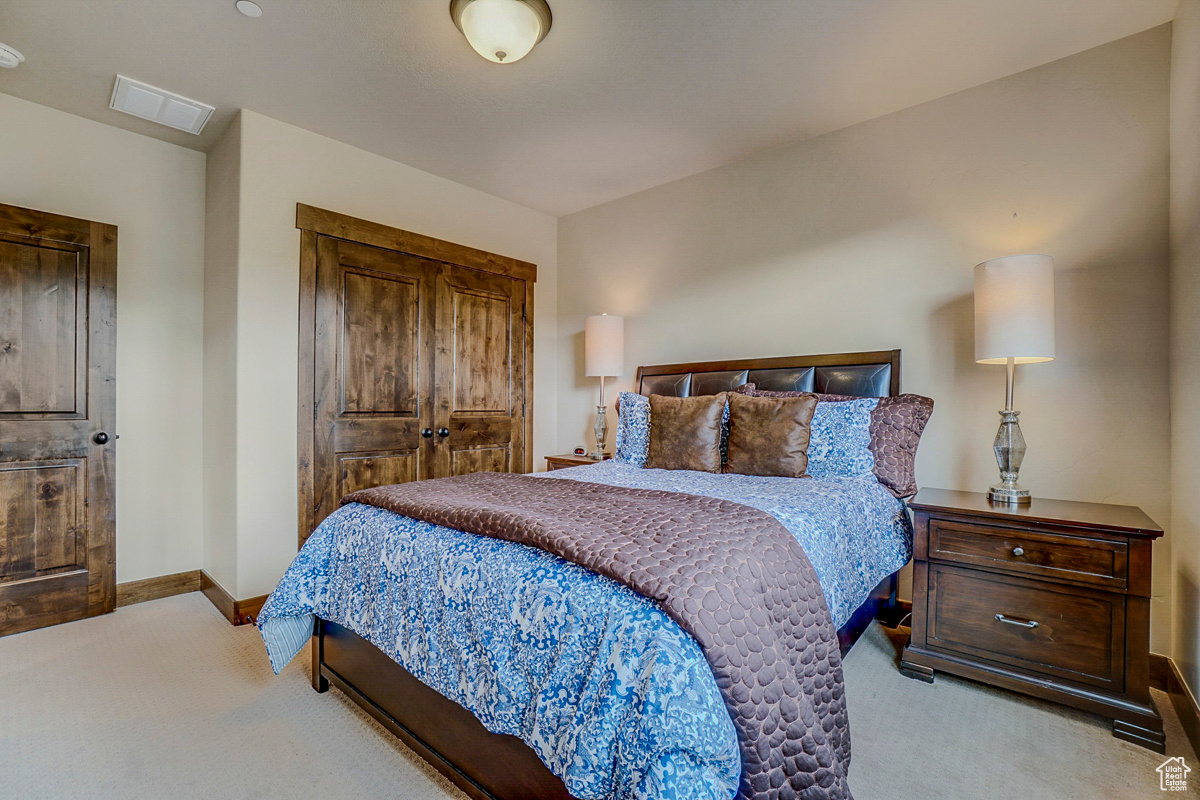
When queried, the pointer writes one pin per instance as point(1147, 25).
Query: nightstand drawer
point(1095, 561)
point(1072, 634)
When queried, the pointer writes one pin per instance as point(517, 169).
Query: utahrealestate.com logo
point(1172, 775)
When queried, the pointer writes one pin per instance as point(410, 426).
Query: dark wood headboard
point(874, 374)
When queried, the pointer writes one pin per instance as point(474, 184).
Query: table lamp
point(1014, 324)
point(603, 355)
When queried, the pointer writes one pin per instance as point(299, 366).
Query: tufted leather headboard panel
point(875, 374)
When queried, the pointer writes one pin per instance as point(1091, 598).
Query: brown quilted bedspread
point(730, 575)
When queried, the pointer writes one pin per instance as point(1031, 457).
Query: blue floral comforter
point(613, 696)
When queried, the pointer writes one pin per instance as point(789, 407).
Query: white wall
point(220, 356)
point(280, 166)
point(154, 193)
point(1185, 337)
point(865, 239)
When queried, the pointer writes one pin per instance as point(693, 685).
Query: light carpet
point(167, 700)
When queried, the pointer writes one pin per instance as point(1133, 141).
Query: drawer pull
point(1030, 624)
point(1018, 551)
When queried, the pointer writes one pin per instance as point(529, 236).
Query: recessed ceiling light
point(9, 57)
point(249, 9)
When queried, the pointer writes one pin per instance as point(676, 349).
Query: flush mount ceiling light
point(502, 31)
point(9, 57)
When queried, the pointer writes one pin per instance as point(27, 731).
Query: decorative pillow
point(841, 440)
point(685, 432)
point(895, 425)
point(633, 429)
point(769, 435)
point(725, 430)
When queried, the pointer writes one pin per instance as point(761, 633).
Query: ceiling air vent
point(158, 105)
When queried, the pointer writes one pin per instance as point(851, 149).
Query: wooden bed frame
point(489, 766)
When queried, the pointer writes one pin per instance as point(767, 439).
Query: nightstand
point(1051, 599)
point(571, 460)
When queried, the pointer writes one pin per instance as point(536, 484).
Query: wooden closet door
point(480, 373)
point(403, 335)
point(57, 412)
point(373, 351)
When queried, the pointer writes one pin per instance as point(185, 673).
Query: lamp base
point(1014, 495)
point(1009, 448)
point(601, 431)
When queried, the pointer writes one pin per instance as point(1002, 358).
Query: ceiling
point(621, 96)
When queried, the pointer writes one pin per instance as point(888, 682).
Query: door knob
point(100, 438)
point(443, 432)
point(427, 433)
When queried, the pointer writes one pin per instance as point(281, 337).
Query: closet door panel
point(365, 470)
point(481, 372)
point(482, 352)
point(380, 343)
point(373, 372)
point(489, 458)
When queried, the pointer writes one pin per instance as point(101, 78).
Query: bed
point(457, 570)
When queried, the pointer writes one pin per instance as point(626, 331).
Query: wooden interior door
point(415, 358)
point(373, 351)
point(57, 413)
point(480, 373)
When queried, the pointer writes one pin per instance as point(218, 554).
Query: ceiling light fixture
point(249, 9)
point(502, 31)
point(9, 57)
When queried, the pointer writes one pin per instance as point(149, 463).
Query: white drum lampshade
point(1014, 324)
point(1014, 310)
point(603, 346)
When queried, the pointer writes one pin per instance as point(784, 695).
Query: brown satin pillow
point(685, 432)
point(769, 435)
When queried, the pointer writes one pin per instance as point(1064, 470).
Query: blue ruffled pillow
point(633, 429)
point(839, 443)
